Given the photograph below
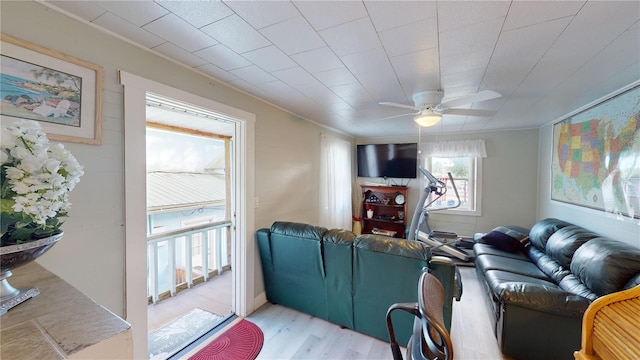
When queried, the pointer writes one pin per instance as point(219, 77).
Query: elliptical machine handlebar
point(439, 188)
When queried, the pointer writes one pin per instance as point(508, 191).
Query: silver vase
point(14, 256)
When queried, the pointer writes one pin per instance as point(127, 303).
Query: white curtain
point(335, 182)
point(459, 148)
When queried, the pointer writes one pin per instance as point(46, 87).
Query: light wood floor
point(289, 334)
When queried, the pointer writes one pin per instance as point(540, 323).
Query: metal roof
point(167, 191)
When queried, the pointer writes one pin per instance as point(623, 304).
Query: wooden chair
point(430, 339)
point(611, 327)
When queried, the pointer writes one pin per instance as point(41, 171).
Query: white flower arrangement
point(36, 176)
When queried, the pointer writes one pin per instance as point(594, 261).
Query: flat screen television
point(388, 160)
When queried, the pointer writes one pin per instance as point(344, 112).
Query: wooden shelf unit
point(389, 216)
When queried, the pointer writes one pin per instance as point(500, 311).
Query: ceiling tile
point(417, 71)
point(413, 37)
point(584, 38)
point(128, 30)
point(180, 33)
point(318, 92)
point(335, 77)
point(294, 76)
point(480, 37)
point(382, 86)
point(282, 91)
point(620, 54)
point(253, 74)
point(85, 9)
point(547, 58)
point(470, 78)
point(316, 60)
point(325, 14)
point(223, 57)
point(518, 51)
point(293, 36)
point(368, 61)
point(236, 34)
point(525, 13)
point(387, 15)
point(263, 13)
point(138, 13)
point(464, 62)
point(216, 72)
point(270, 58)
point(460, 14)
point(197, 13)
point(352, 37)
point(354, 95)
point(179, 54)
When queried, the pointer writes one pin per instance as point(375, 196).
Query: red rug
point(242, 341)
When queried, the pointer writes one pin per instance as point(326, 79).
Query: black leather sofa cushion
point(552, 268)
point(340, 237)
point(635, 281)
point(543, 229)
point(564, 242)
point(479, 249)
point(605, 265)
point(542, 298)
point(522, 267)
point(298, 230)
point(572, 284)
point(385, 244)
point(496, 278)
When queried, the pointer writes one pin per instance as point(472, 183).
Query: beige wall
point(509, 181)
point(91, 256)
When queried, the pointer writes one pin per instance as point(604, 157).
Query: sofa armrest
point(542, 298)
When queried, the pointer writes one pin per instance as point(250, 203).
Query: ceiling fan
point(429, 108)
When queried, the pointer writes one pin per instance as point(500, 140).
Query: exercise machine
point(420, 229)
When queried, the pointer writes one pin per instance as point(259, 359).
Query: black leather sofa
point(539, 287)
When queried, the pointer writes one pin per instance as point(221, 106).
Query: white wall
point(91, 256)
point(614, 226)
point(509, 181)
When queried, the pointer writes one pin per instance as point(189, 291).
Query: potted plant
point(36, 177)
point(369, 209)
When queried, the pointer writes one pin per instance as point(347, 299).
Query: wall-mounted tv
point(388, 160)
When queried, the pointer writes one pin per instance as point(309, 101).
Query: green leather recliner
point(349, 280)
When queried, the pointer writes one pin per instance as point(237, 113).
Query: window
point(463, 159)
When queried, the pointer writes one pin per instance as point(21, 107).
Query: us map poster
point(596, 156)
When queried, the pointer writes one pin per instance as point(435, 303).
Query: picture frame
point(596, 155)
point(61, 92)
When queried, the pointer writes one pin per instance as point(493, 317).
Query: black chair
point(430, 339)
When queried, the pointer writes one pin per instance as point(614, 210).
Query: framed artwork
point(61, 92)
point(596, 156)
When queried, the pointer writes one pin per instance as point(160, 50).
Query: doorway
point(189, 227)
point(136, 91)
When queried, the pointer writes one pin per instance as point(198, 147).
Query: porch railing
point(181, 258)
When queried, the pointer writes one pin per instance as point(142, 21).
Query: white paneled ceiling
point(332, 62)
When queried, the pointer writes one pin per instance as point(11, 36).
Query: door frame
point(135, 92)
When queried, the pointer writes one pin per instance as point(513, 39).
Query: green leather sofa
point(349, 280)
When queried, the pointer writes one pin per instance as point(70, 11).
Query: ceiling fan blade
point(404, 106)
point(396, 116)
point(471, 98)
point(468, 112)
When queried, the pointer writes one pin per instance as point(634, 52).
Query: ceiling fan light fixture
point(427, 119)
